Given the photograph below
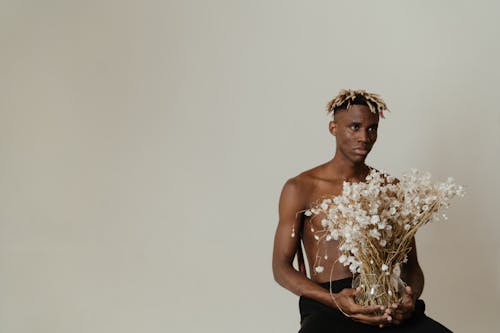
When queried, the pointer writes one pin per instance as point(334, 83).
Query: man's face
point(355, 132)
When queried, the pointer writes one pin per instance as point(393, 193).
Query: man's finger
point(398, 316)
point(366, 309)
point(396, 322)
point(403, 309)
point(356, 291)
point(353, 292)
point(372, 320)
point(369, 309)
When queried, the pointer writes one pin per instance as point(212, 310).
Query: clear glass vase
point(378, 289)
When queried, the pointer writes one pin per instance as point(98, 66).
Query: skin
point(355, 131)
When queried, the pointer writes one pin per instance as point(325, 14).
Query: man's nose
point(363, 136)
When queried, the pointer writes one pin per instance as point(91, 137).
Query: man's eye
point(355, 127)
point(372, 129)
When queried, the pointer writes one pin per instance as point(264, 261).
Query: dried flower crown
point(348, 96)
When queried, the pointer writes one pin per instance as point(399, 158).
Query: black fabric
point(316, 317)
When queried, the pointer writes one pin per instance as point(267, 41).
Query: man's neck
point(347, 170)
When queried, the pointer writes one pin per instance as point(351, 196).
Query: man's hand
point(404, 310)
point(371, 315)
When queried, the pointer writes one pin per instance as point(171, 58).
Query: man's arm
point(412, 272)
point(285, 246)
point(414, 278)
point(293, 200)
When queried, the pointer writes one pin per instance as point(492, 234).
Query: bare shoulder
point(302, 185)
point(306, 180)
point(296, 188)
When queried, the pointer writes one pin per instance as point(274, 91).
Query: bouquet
point(375, 221)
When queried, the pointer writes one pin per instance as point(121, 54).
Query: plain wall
point(144, 146)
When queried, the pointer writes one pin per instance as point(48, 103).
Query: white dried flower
point(396, 270)
point(375, 219)
point(374, 233)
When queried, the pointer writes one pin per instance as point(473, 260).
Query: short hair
point(348, 97)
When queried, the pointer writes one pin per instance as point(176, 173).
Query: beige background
point(144, 145)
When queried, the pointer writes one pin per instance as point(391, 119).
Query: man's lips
point(361, 151)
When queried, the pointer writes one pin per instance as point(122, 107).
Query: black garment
point(316, 317)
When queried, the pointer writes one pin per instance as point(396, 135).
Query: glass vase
point(378, 289)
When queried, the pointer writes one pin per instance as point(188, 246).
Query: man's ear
point(332, 126)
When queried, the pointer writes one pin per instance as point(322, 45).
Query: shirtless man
point(354, 125)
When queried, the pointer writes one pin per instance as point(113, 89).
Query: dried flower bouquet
point(375, 221)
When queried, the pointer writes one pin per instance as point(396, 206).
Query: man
point(354, 125)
